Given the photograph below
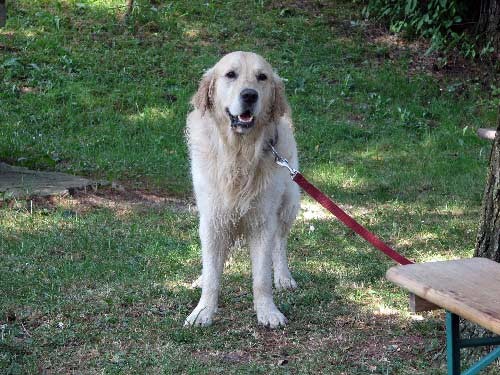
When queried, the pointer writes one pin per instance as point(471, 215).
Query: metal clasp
point(282, 162)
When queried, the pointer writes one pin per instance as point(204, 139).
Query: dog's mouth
point(242, 122)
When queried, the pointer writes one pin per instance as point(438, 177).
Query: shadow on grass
point(108, 286)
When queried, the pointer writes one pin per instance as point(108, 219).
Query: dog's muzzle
point(245, 120)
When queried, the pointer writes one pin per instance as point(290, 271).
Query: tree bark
point(488, 237)
point(3, 13)
point(489, 22)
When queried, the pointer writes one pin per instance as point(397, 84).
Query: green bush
point(441, 21)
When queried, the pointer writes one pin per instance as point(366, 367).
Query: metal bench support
point(454, 343)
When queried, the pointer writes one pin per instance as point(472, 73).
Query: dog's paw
point(201, 316)
point(271, 318)
point(284, 282)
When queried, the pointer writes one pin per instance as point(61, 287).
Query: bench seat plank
point(469, 288)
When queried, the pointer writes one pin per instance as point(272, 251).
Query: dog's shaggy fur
point(240, 107)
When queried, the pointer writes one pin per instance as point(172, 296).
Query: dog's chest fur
point(239, 174)
point(234, 172)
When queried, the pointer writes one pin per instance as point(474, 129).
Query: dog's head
point(242, 90)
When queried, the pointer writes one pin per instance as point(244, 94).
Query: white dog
point(240, 109)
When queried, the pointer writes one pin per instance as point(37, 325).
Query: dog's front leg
point(261, 244)
point(282, 277)
point(213, 246)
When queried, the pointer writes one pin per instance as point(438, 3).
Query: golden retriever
point(239, 109)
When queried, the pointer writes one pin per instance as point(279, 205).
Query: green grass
point(99, 283)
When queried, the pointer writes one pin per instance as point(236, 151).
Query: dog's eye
point(231, 74)
point(261, 77)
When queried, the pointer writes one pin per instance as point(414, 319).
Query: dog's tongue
point(245, 117)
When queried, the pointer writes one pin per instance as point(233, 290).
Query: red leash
point(339, 213)
point(347, 220)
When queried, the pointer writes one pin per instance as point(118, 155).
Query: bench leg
point(453, 343)
point(478, 366)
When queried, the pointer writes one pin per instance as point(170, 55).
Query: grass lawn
point(99, 282)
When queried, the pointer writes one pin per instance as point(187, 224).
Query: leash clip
point(282, 162)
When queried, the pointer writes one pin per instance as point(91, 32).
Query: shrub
point(441, 21)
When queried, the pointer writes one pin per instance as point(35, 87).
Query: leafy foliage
point(441, 21)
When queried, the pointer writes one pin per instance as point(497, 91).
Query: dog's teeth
point(245, 118)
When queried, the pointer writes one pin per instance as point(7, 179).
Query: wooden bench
point(467, 288)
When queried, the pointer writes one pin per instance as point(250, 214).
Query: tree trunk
point(3, 13)
point(489, 22)
point(488, 237)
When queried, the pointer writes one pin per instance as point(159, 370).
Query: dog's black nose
point(249, 96)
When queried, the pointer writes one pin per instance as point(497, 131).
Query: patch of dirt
point(6, 48)
point(7, 34)
point(117, 198)
point(443, 66)
point(440, 65)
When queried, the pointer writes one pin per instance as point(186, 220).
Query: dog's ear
point(279, 104)
point(202, 100)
